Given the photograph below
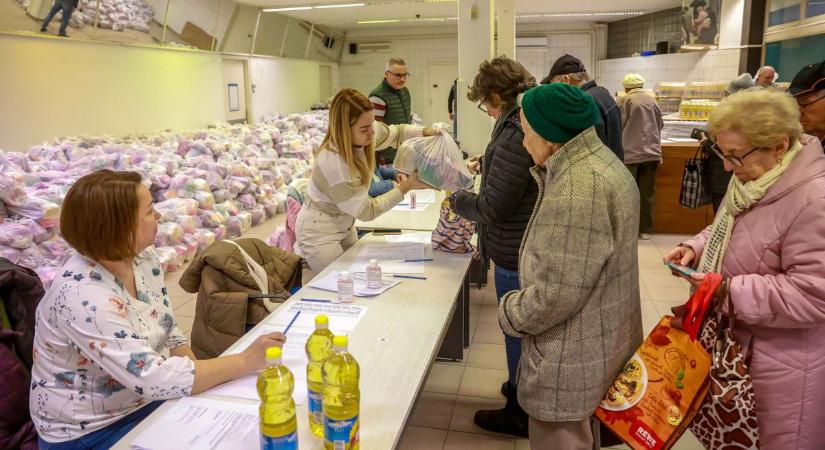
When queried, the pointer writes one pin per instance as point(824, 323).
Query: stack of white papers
point(203, 424)
point(397, 257)
point(424, 237)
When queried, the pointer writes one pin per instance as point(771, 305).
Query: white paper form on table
point(424, 237)
point(391, 257)
point(421, 196)
point(359, 281)
point(342, 320)
point(196, 423)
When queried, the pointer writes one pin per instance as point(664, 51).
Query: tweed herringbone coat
point(578, 311)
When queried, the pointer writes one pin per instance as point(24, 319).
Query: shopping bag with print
point(453, 234)
point(695, 191)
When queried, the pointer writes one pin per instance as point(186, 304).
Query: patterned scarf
point(740, 197)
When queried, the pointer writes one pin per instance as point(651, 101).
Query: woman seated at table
point(341, 176)
point(768, 240)
point(106, 344)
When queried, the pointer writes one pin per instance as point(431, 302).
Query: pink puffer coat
point(776, 261)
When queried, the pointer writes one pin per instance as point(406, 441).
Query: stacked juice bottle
point(341, 398)
point(318, 348)
point(277, 410)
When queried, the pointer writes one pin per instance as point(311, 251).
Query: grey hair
point(395, 61)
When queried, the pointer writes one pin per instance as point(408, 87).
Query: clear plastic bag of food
point(438, 160)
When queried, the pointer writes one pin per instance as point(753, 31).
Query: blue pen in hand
point(418, 260)
point(316, 300)
point(294, 318)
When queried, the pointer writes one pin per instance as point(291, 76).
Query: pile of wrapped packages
point(207, 184)
point(116, 15)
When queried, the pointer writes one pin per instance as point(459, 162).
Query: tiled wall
point(715, 65)
point(638, 34)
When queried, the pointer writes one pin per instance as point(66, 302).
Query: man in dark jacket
point(570, 70)
point(391, 101)
point(68, 7)
point(808, 87)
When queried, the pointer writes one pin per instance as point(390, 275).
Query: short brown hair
point(502, 76)
point(99, 215)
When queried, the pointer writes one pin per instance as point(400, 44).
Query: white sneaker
point(644, 236)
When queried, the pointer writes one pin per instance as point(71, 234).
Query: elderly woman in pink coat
point(768, 238)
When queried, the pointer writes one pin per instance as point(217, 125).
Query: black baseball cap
point(564, 65)
point(809, 78)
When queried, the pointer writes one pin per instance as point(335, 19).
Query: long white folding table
point(399, 219)
point(395, 343)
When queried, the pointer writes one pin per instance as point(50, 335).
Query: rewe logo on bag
point(646, 436)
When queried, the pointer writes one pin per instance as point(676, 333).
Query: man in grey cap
point(808, 87)
point(569, 70)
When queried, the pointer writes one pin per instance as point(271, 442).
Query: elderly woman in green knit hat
point(578, 311)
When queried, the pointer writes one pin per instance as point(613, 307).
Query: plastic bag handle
point(699, 303)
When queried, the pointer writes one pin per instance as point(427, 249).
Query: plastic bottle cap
point(344, 275)
point(373, 262)
point(321, 321)
point(273, 353)
point(340, 341)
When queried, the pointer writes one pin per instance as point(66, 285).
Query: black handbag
point(695, 191)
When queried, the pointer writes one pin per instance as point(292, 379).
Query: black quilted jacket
point(507, 196)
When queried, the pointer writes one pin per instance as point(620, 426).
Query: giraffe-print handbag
point(727, 418)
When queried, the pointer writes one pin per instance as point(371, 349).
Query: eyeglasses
point(818, 98)
point(400, 76)
point(482, 107)
point(734, 160)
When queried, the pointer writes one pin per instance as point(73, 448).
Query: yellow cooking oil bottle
point(341, 398)
point(318, 348)
point(279, 429)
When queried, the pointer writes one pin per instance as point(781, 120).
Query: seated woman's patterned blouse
point(101, 354)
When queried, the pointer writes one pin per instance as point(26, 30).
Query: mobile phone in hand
point(682, 270)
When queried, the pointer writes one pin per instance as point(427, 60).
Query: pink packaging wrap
point(211, 219)
point(205, 238)
point(221, 232)
point(258, 215)
point(246, 220)
point(187, 223)
point(170, 209)
point(39, 234)
point(55, 250)
point(12, 254)
point(221, 195)
point(47, 274)
point(11, 191)
point(247, 201)
point(16, 235)
point(270, 208)
point(169, 234)
point(31, 257)
point(227, 207)
point(234, 227)
point(205, 200)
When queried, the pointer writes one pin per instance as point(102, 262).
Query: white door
point(441, 79)
point(234, 90)
point(326, 82)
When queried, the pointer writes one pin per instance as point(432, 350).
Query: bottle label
point(343, 434)
point(315, 405)
point(288, 442)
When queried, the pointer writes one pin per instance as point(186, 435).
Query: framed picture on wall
point(700, 24)
point(234, 101)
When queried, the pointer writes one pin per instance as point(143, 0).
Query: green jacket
point(397, 110)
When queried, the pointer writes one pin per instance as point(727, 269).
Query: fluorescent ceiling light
point(289, 8)
point(582, 14)
point(419, 19)
point(308, 7)
point(340, 5)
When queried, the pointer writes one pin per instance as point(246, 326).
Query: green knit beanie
point(559, 112)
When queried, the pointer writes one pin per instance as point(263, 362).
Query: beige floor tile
point(480, 382)
point(661, 279)
point(488, 313)
point(433, 410)
point(185, 323)
point(488, 333)
point(187, 309)
point(457, 440)
point(420, 438)
point(491, 299)
point(522, 444)
point(477, 296)
point(648, 323)
point(465, 409)
point(488, 356)
point(649, 308)
point(688, 442)
point(673, 295)
point(444, 378)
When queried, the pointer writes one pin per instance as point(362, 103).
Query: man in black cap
point(569, 70)
point(808, 87)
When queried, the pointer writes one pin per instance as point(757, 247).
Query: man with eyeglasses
point(808, 87)
point(391, 101)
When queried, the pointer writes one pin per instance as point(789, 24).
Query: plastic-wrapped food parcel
point(438, 160)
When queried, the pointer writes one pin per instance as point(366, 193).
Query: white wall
point(422, 46)
point(283, 85)
point(203, 13)
point(55, 87)
point(715, 65)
